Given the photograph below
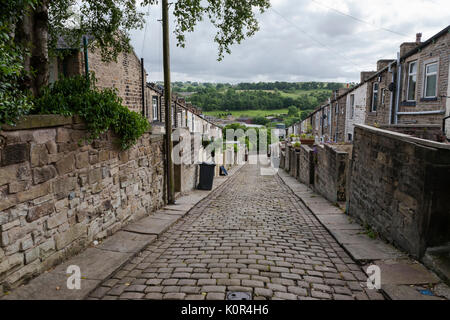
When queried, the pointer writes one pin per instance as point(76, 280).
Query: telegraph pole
point(167, 101)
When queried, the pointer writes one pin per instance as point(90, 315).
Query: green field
point(248, 113)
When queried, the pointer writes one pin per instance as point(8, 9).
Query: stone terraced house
point(409, 94)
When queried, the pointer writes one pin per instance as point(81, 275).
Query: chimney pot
point(418, 37)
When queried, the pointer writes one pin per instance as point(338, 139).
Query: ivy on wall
point(102, 110)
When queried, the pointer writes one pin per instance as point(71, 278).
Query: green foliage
point(234, 20)
point(108, 22)
point(14, 101)
point(292, 111)
point(260, 120)
point(101, 109)
point(230, 99)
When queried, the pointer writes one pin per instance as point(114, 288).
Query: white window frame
point(155, 107)
point(383, 96)
point(411, 74)
point(426, 79)
point(373, 96)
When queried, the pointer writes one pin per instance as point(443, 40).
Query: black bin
point(206, 176)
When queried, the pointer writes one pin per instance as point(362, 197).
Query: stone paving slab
point(172, 212)
point(179, 207)
point(323, 208)
point(405, 272)
point(405, 292)
point(151, 225)
point(335, 219)
point(370, 250)
point(51, 286)
point(126, 242)
point(95, 263)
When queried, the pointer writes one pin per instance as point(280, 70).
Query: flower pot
point(308, 142)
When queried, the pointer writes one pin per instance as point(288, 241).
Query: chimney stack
point(418, 37)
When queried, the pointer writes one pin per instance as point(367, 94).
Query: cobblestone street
point(252, 234)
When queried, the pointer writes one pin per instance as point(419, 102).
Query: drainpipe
point(86, 58)
point(391, 102)
point(397, 98)
point(143, 87)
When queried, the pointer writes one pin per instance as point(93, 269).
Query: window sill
point(408, 103)
point(428, 99)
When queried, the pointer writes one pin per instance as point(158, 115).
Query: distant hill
point(287, 87)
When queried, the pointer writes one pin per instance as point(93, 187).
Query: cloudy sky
point(299, 40)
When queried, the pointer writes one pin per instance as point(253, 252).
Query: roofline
point(426, 43)
point(406, 55)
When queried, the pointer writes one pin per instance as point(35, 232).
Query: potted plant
point(307, 139)
point(297, 145)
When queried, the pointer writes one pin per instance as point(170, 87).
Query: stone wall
point(58, 193)
point(330, 172)
point(400, 187)
point(426, 131)
point(186, 170)
point(294, 160)
point(306, 165)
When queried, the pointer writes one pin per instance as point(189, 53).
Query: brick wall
point(399, 187)
point(383, 107)
point(437, 51)
point(124, 75)
point(57, 196)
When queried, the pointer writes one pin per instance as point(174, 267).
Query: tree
point(43, 22)
point(14, 101)
point(292, 111)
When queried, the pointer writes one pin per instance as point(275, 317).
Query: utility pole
point(167, 101)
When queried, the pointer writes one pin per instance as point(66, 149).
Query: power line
point(315, 40)
point(358, 19)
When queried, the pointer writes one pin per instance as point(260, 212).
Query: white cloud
point(308, 42)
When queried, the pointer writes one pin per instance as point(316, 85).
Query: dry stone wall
point(58, 193)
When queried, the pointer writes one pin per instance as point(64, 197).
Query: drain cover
point(239, 296)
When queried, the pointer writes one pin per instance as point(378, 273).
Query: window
point(383, 96)
point(352, 106)
point(337, 108)
point(350, 137)
point(430, 80)
point(173, 116)
point(375, 97)
point(155, 107)
point(412, 79)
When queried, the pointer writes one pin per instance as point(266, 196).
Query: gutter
point(421, 112)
